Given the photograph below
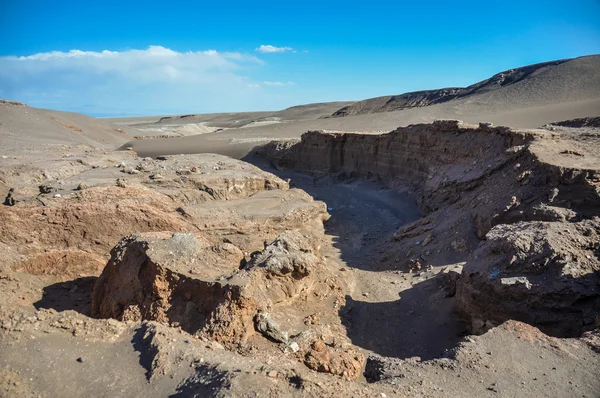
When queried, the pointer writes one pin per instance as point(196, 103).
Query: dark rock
point(9, 200)
point(45, 189)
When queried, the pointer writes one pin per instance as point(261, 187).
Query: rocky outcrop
point(579, 122)
point(182, 280)
point(9, 102)
point(390, 103)
point(544, 273)
point(159, 278)
point(65, 214)
point(440, 160)
point(10, 200)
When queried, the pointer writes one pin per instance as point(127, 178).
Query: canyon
point(321, 250)
point(422, 261)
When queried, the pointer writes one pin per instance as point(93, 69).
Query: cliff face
point(425, 157)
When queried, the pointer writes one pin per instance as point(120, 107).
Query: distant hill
point(24, 127)
point(532, 85)
point(240, 119)
point(310, 111)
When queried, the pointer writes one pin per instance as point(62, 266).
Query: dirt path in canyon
point(383, 304)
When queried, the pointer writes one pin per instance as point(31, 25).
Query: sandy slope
point(26, 128)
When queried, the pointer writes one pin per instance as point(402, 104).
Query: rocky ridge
point(487, 90)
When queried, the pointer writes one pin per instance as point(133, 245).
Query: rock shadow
point(206, 382)
point(420, 324)
point(140, 342)
point(73, 295)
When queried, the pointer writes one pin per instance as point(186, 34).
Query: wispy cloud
point(269, 84)
point(278, 83)
point(152, 80)
point(267, 48)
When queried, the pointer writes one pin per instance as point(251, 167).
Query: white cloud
point(155, 80)
point(267, 48)
point(269, 84)
point(277, 83)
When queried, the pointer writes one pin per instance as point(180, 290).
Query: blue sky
point(151, 57)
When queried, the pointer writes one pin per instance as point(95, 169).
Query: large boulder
point(543, 273)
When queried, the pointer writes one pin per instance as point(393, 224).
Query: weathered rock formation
point(214, 292)
point(440, 160)
point(172, 281)
point(579, 122)
point(177, 280)
point(10, 200)
point(182, 279)
point(397, 102)
point(92, 220)
point(322, 358)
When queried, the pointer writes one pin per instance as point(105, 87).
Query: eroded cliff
point(478, 185)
